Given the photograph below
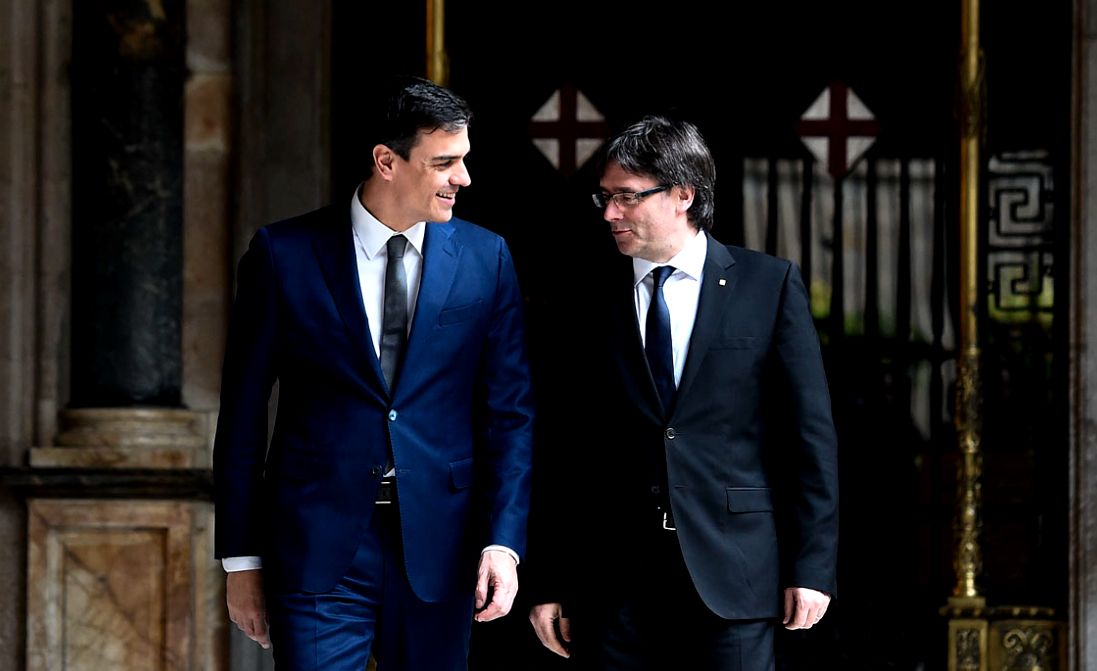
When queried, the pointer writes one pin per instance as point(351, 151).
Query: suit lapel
point(628, 346)
point(717, 287)
point(441, 254)
point(335, 251)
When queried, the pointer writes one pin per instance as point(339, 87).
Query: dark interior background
point(744, 72)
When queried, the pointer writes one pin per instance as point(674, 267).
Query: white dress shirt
point(682, 291)
point(371, 254)
point(370, 238)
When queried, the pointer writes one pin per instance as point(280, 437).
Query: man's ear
point(383, 160)
point(683, 198)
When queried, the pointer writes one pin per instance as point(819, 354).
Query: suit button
point(656, 489)
point(392, 415)
point(670, 433)
point(375, 471)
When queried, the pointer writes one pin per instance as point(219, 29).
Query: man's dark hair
point(671, 152)
point(408, 105)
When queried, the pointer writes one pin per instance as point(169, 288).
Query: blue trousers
point(371, 609)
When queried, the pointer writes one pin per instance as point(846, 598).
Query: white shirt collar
point(372, 235)
point(690, 260)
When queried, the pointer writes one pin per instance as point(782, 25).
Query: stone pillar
point(128, 69)
point(127, 111)
point(207, 184)
point(34, 119)
point(120, 568)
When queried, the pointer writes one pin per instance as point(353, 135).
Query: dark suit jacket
point(459, 420)
point(749, 448)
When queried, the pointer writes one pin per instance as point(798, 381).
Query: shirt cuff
point(234, 564)
point(502, 548)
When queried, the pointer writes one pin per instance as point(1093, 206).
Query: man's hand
point(247, 607)
point(804, 607)
point(496, 585)
point(546, 618)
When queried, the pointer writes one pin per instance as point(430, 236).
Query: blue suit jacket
point(459, 420)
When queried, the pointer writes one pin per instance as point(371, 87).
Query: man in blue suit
point(702, 508)
point(393, 498)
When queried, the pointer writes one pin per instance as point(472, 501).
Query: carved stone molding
point(127, 438)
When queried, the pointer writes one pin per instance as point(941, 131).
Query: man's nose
point(612, 211)
point(460, 176)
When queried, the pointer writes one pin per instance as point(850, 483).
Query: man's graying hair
point(671, 152)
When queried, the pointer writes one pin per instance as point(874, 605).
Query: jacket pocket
point(459, 314)
point(460, 473)
point(749, 500)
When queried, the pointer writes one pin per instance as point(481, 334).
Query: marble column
point(34, 121)
point(120, 568)
point(207, 187)
point(127, 102)
point(128, 72)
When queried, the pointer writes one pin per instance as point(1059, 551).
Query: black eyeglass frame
point(625, 198)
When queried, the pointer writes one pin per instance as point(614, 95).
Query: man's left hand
point(497, 580)
point(804, 607)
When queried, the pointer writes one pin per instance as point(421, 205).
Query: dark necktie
point(657, 339)
point(394, 327)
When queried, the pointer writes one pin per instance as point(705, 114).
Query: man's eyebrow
point(446, 157)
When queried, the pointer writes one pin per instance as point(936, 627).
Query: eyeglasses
point(624, 199)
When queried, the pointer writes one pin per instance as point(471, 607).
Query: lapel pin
point(723, 281)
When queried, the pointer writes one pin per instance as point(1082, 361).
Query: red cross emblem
point(568, 129)
point(838, 129)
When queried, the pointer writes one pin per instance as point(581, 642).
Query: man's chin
point(624, 247)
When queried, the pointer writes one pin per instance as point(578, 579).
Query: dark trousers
point(658, 622)
point(371, 608)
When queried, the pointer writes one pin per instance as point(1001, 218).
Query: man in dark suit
point(703, 507)
point(394, 494)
